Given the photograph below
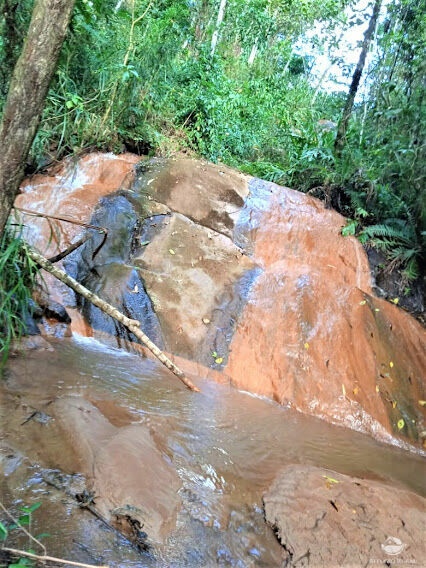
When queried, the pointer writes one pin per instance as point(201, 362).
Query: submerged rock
point(323, 518)
point(147, 491)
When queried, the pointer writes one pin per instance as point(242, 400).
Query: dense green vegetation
point(142, 76)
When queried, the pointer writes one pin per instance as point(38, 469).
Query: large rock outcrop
point(256, 281)
point(323, 519)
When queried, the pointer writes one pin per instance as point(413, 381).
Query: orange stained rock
point(312, 335)
point(71, 189)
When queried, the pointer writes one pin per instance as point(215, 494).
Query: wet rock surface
point(253, 279)
point(312, 334)
point(323, 518)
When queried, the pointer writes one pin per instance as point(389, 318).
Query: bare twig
point(65, 219)
point(46, 558)
point(132, 325)
point(23, 529)
point(70, 249)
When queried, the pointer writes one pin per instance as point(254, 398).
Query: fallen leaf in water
point(306, 345)
point(401, 424)
point(219, 360)
point(391, 364)
point(206, 320)
point(362, 303)
point(356, 390)
point(422, 402)
point(135, 289)
point(171, 251)
point(330, 479)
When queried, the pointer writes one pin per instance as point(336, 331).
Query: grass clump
point(18, 276)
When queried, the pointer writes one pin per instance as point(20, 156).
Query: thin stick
point(70, 249)
point(46, 558)
point(132, 325)
point(23, 529)
point(65, 219)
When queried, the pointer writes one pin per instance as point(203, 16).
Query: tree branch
point(132, 325)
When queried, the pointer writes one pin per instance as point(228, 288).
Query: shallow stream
point(226, 446)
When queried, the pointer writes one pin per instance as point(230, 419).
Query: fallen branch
point(45, 558)
point(132, 325)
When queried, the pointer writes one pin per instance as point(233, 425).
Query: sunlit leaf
point(219, 360)
point(171, 251)
point(3, 531)
point(330, 479)
point(401, 424)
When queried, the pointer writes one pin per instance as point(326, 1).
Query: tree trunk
point(253, 52)
point(27, 92)
point(220, 17)
point(347, 111)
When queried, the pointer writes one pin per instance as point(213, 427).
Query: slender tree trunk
point(253, 52)
point(220, 16)
point(347, 111)
point(27, 93)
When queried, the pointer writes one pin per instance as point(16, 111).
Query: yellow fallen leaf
point(401, 424)
point(171, 251)
point(219, 360)
point(206, 320)
point(395, 301)
point(391, 364)
point(422, 402)
point(330, 479)
point(376, 310)
point(393, 404)
point(362, 303)
point(356, 390)
point(377, 389)
point(306, 346)
point(343, 390)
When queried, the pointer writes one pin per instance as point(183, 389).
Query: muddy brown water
point(225, 445)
